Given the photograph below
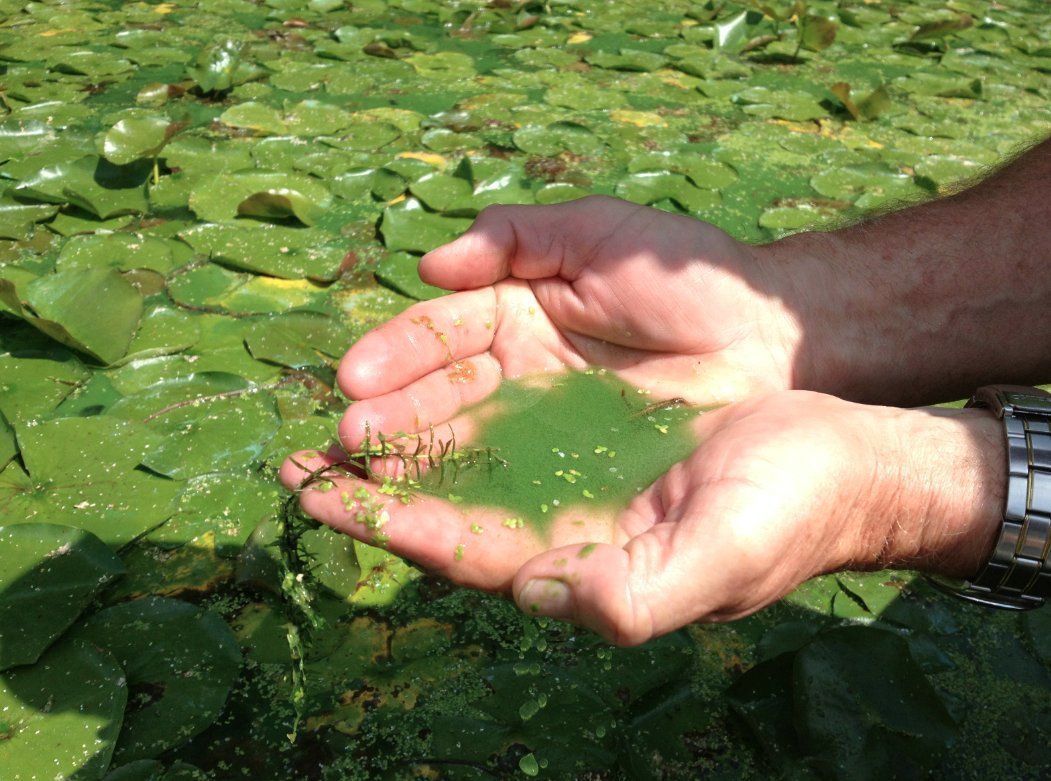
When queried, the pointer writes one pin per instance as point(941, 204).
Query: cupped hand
point(780, 488)
point(669, 303)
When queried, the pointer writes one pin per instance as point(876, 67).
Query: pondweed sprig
point(420, 457)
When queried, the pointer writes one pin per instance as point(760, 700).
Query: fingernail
point(547, 597)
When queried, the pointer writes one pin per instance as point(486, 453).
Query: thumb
point(526, 242)
point(501, 237)
point(590, 585)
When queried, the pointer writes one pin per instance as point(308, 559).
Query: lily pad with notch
point(180, 661)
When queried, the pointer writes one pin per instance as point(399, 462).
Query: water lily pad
point(263, 194)
point(798, 217)
point(275, 250)
point(50, 575)
point(298, 339)
point(784, 103)
point(445, 193)
point(221, 66)
point(557, 137)
point(702, 172)
point(67, 308)
point(136, 138)
point(61, 716)
point(443, 65)
point(37, 375)
point(257, 117)
point(214, 434)
point(400, 271)
point(365, 136)
point(580, 95)
point(627, 60)
point(83, 471)
point(122, 251)
point(180, 660)
point(220, 290)
point(879, 184)
point(163, 330)
point(407, 226)
point(559, 192)
point(225, 505)
point(654, 186)
point(17, 219)
point(91, 183)
point(312, 118)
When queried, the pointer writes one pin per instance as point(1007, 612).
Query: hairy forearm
point(924, 304)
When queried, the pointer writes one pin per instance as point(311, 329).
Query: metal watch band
point(1018, 574)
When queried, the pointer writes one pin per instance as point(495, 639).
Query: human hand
point(669, 303)
point(780, 488)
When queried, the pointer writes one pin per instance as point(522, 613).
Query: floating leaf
point(61, 716)
point(627, 60)
point(220, 66)
point(37, 374)
point(91, 183)
point(257, 117)
point(853, 721)
point(50, 575)
point(66, 306)
point(83, 471)
point(313, 118)
point(732, 34)
point(704, 173)
point(408, 226)
point(443, 65)
point(136, 138)
point(17, 220)
point(122, 251)
point(798, 217)
point(298, 339)
point(557, 137)
point(211, 435)
point(655, 186)
point(180, 658)
point(942, 27)
point(559, 192)
point(400, 271)
point(785, 104)
point(265, 194)
point(444, 193)
point(276, 250)
point(227, 505)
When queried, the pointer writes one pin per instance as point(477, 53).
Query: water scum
point(543, 445)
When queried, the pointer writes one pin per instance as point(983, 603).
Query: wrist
point(946, 499)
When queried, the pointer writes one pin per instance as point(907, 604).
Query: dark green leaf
point(136, 138)
point(408, 226)
point(61, 716)
point(90, 183)
point(95, 310)
point(399, 271)
point(180, 659)
point(50, 575)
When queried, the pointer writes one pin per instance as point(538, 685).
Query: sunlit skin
point(785, 483)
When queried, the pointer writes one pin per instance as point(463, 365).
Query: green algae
point(582, 441)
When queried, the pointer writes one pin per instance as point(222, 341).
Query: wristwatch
point(1018, 574)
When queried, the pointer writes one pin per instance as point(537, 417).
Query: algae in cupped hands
point(580, 440)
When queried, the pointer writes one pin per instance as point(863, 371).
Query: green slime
point(582, 439)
